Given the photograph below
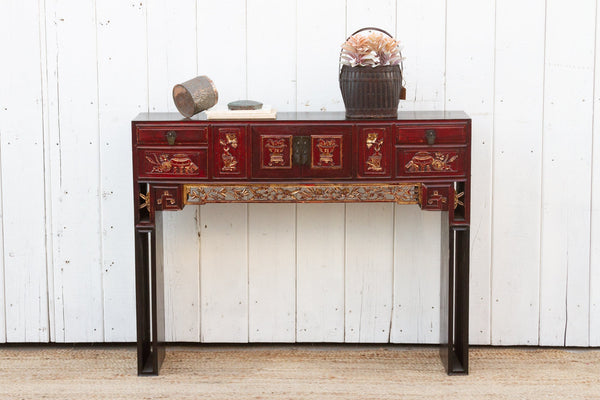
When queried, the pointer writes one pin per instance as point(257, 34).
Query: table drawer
point(173, 135)
point(439, 134)
point(424, 161)
point(312, 151)
point(172, 163)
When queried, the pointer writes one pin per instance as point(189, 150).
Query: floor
point(297, 372)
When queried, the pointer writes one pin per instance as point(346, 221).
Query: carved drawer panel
point(175, 135)
point(424, 161)
point(330, 152)
point(276, 152)
point(431, 134)
point(435, 197)
point(172, 163)
point(273, 156)
point(327, 151)
point(229, 152)
point(292, 152)
point(374, 152)
point(167, 197)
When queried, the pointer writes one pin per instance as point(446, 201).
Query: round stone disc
point(244, 105)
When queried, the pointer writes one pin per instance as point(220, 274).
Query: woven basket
point(371, 92)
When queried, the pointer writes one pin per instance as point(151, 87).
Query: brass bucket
point(195, 95)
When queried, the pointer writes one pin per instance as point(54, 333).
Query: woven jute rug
point(297, 372)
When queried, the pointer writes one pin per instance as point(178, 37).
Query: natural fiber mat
point(297, 372)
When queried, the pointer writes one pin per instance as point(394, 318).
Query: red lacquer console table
point(419, 158)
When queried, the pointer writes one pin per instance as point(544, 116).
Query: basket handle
point(370, 28)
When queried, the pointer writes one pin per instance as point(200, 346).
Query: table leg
point(150, 297)
point(454, 310)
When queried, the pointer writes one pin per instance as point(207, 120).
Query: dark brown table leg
point(150, 297)
point(454, 307)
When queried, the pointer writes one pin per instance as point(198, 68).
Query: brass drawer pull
point(171, 136)
point(430, 136)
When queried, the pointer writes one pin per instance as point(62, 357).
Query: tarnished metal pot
point(371, 92)
point(195, 95)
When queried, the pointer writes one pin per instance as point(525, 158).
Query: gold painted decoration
point(436, 199)
point(326, 151)
point(229, 141)
point(146, 201)
point(166, 199)
point(401, 193)
point(180, 164)
point(276, 152)
point(374, 143)
point(425, 161)
point(457, 199)
point(326, 148)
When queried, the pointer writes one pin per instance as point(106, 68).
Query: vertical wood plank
point(182, 285)
point(224, 272)
point(24, 292)
point(517, 195)
point(568, 116)
point(49, 72)
point(416, 312)
point(173, 58)
point(369, 272)
point(272, 74)
point(221, 25)
point(172, 50)
point(4, 45)
point(320, 273)
point(2, 304)
point(470, 87)
point(421, 29)
point(322, 23)
point(22, 167)
point(77, 237)
point(272, 272)
point(595, 216)
point(120, 69)
point(377, 13)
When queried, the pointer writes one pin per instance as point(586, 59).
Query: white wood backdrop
point(74, 73)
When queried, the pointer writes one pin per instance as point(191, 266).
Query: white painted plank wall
point(415, 317)
point(272, 273)
point(595, 209)
point(172, 58)
point(516, 173)
point(567, 151)
point(525, 72)
point(124, 22)
point(468, 68)
point(76, 199)
point(22, 175)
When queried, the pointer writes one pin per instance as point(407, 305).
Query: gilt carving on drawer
point(229, 142)
point(425, 161)
point(374, 143)
point(178, 164)
point(327, 151)
point(276, 152)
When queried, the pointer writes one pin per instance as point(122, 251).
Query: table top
point(311, 116)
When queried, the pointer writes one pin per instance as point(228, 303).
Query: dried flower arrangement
point(371, 49)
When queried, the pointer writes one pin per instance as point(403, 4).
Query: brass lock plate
point(301, 150)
